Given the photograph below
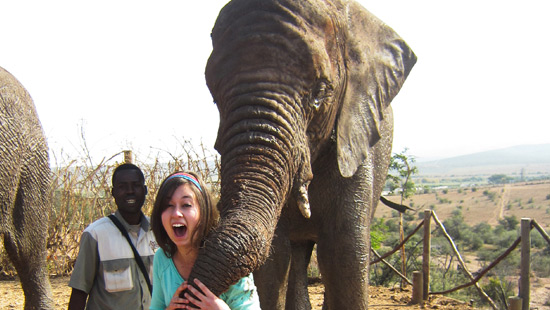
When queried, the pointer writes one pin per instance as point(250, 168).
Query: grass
point(81, 194)
point(485, 204)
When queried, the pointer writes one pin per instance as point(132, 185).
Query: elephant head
point(292, 80)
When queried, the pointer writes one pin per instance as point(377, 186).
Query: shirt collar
point(144, 222)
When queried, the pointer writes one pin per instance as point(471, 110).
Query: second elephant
point(24, 191)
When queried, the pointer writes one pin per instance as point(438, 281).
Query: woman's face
point(181, 217)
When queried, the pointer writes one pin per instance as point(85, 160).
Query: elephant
point(303, 90)
point(25, 180)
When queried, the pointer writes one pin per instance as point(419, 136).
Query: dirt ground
point(381, 298)
point(11, 297)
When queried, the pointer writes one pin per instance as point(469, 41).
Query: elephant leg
point(344, 268)
point(343, 246)
point(25, 244)
point(32, 271)
point(297, 295)
point(271, 278)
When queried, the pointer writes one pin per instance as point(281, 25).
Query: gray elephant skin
point(303, 90)
point(25, 179)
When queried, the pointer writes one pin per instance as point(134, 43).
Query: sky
point(116, 75)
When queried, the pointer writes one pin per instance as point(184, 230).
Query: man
point(106, 274)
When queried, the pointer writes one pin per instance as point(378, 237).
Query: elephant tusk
point(303, 202)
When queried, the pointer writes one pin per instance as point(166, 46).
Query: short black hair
point(127, 166)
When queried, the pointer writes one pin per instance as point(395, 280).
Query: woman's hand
point(206, 301)
point(176, 302)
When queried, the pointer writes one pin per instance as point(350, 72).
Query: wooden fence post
point(417, 295)
point(128, 157)
point(403, 254)
point(515, 303)
point(525, 266)
point(426, 255)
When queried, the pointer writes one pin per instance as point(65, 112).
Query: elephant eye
point(320, 93)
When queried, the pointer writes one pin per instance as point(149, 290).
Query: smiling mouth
point(130, 201)
point(179, 229)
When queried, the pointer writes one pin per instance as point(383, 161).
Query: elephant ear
point(377, 63)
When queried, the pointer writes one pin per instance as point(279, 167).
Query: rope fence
point(524, 239)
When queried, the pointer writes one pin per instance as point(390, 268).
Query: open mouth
point(179, 229)
point(130, 201)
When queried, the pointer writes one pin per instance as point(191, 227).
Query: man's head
point(129, 191)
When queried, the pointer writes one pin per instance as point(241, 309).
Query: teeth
point(179, 229)
point(131, 201)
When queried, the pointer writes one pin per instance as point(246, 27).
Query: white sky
point(131, 73)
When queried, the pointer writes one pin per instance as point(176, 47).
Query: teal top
point(166, 279)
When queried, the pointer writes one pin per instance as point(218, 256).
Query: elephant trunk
point(255, 180)
point(262, 135)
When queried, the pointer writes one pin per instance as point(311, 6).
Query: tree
point(400, 171)
point(399, 176)
point(378, 233)
point(509, 222)
point(498, 179)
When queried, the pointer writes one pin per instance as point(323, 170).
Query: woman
point(183, 214)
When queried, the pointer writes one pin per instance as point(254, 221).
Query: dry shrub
point(81, 193)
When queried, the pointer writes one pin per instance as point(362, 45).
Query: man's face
point(129, 191)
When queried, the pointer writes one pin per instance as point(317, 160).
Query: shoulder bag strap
point(136, 254)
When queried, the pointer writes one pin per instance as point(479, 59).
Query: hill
point(529, 160)
point(483, 203)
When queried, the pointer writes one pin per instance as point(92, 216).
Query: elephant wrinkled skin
point(303, 90)
point(24, 185)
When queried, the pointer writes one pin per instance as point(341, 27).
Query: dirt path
point(502, 202)
point(381, 298)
